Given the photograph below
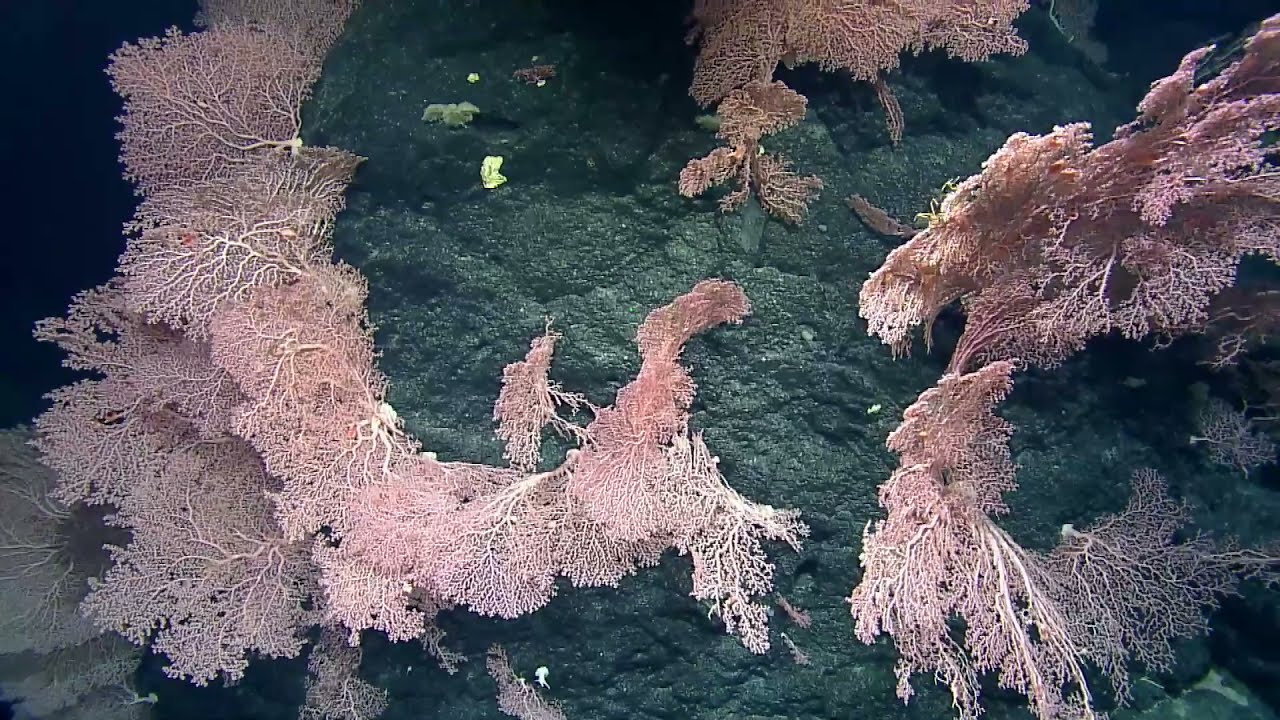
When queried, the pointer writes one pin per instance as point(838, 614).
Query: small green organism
point(451, 114)
point(710, 123)
point(491, 172)
point(473, 78)
point(935, 215)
